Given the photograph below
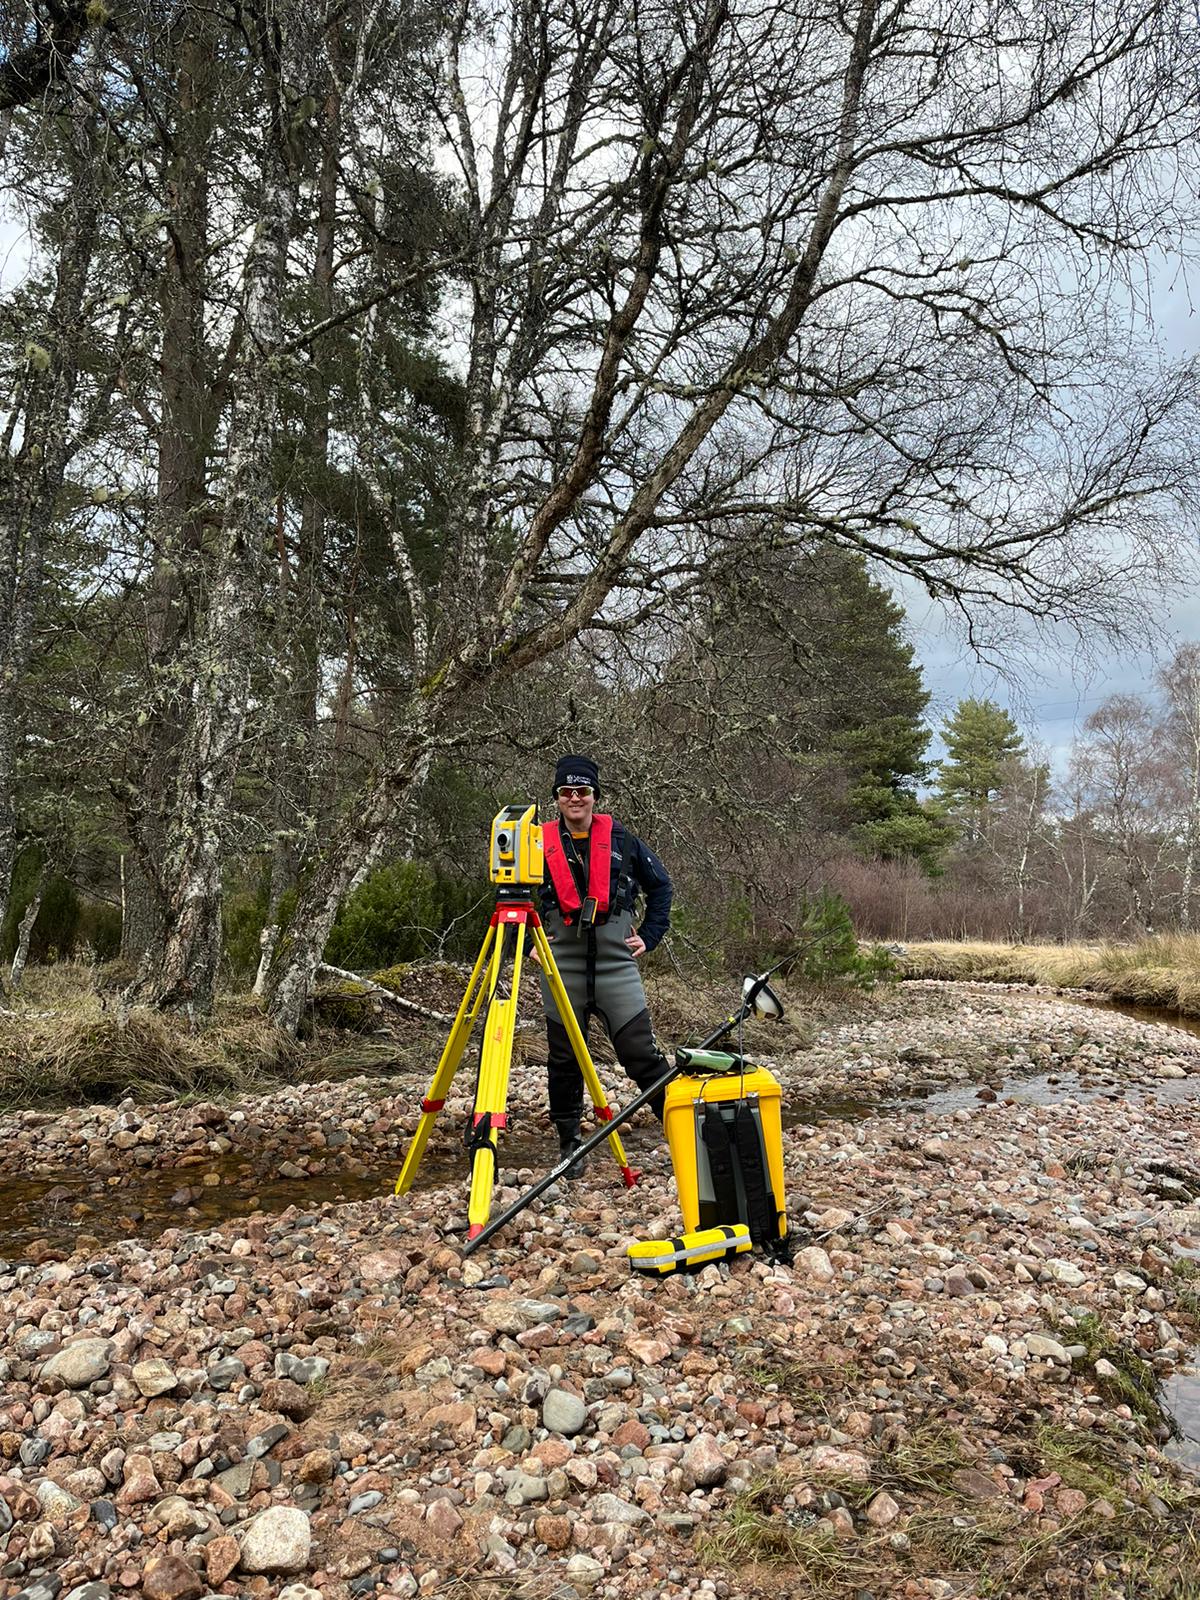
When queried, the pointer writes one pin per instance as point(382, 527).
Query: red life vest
point(599, 866)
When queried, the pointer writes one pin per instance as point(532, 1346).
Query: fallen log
point(388, 996)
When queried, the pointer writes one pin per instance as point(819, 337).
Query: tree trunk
point(295, 781)
point(184, 441)
point(1192, 828)
point(228, 647)
point(210, 754)
point(351, 855)
point(25, 931)
point(31, 476)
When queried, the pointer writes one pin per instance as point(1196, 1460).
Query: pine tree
point(981, 741)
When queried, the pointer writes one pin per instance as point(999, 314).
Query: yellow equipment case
point(689, 1250)
point(726, 1140)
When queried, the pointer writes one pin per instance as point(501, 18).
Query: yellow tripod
point(494, 985)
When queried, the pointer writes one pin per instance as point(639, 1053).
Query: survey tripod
point(758, 999)
point(517, 868)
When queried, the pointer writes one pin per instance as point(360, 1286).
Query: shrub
point(829, 949)
point(56, 929)
point(405, 912)
point(98, 930)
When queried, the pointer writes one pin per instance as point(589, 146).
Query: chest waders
point(587, 902)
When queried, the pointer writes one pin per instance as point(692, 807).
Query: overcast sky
point(1050, 691)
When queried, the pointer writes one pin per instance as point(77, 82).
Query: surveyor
point(595, 869)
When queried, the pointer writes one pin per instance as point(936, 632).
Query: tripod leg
point(582, 1054)
point(491, 1095)
point(447, 1067)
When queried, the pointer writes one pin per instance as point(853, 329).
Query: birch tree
point(1129, 786)
point(1180, 681)
point(286, 44)
point(741, 272)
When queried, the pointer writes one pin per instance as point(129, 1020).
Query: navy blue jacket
point(645, 874)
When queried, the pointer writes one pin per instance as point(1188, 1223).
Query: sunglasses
point(581, 791)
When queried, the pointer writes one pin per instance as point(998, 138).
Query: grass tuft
point(923, 1459)
point(758, 1528)
point(1134, 1384)
point(95, 1054)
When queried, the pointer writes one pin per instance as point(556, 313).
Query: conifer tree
point(981, 740)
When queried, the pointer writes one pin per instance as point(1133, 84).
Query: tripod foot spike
point(474, 1231)
point(630, 1175)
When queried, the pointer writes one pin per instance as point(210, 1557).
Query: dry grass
point(686, 1010)
point(68, 1039)
point(1162, 972)
point(93, 1054)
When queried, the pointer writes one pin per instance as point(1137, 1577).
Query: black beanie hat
point(577, 769)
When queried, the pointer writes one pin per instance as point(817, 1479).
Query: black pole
point(597, 1138)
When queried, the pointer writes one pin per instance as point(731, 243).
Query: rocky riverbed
point(952, 1391)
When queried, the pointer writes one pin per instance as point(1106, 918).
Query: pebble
point(563, 1412)
point(80, 1364)
point(560, 1422)
point(278, 1539)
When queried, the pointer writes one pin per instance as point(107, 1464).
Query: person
point(595, 868)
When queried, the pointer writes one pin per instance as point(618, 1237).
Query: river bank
point(995, 1201)
point(1161, 971)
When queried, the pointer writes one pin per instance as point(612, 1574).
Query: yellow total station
point(517, 857)
point(517, 867)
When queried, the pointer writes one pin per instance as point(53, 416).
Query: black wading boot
point(569, 1141)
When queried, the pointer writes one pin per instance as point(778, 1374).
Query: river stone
point(1066, 1272)
point(170, 1577)
point(1043, 1348)
point(364, 1502)
point(104, 1513)
point(1129, 1282)
point(267, 1440)
point(55, 1501)
point(225, 1373)
point(815, 1262)
point(515, 1316)
point(883, 1510)
point(43, 1589)
point(278, 1539)
point(525, 1489)
point(585, 1572)
point(827, 1460)
point(80, 1363)
point(90, 1591)
point(235, 1480)
point(307, 1369)
point(445, 1520)
point(153, 1377)
point(705, 1461)
point(1170, 1069)
point(41, 1543)
point(178, 1516)
point(563, 1412)
point(611, 1508)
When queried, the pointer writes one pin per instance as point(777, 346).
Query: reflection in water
point(59, 1212)
point(1181, 1398)
point(56, 1213)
